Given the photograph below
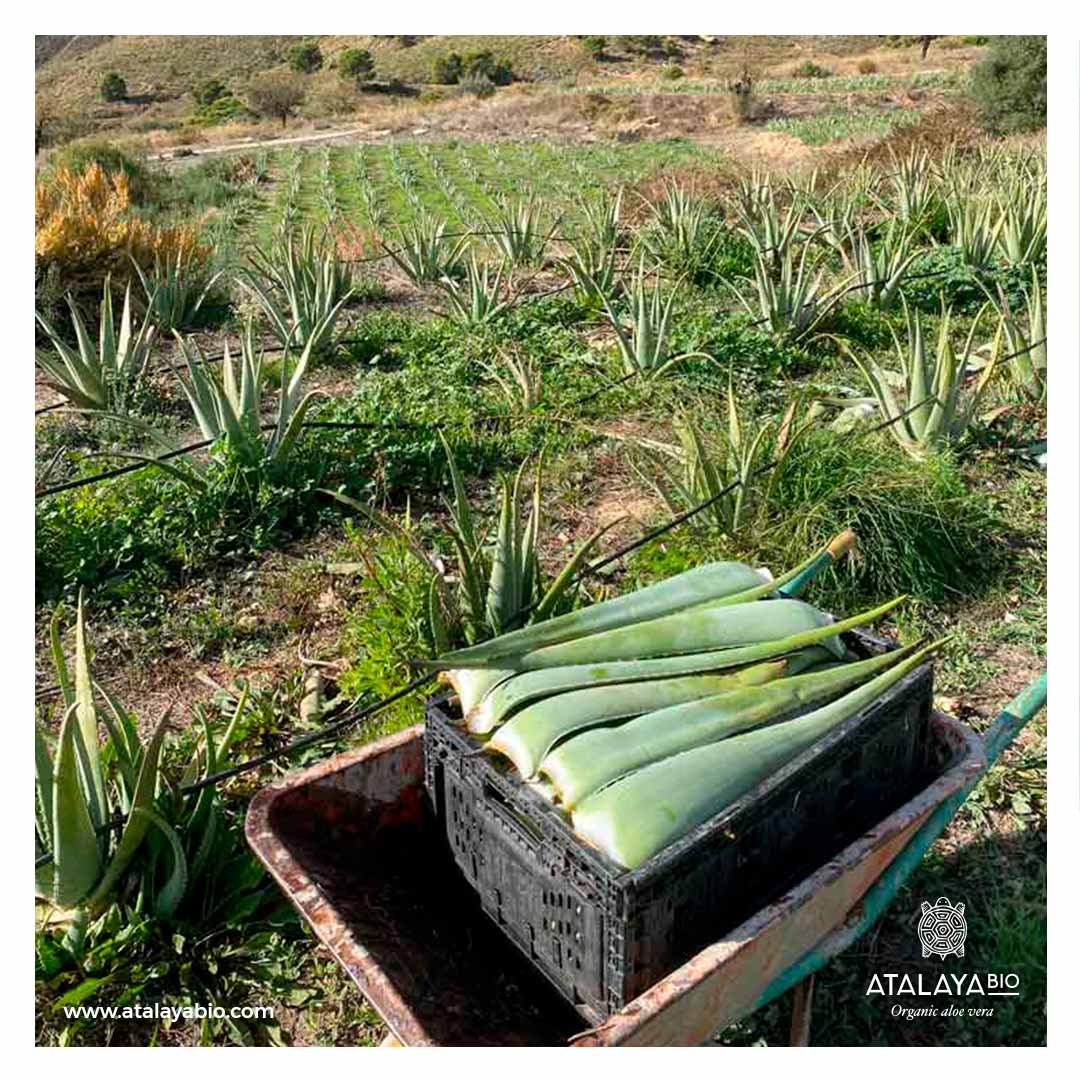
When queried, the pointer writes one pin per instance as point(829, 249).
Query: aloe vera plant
point(516, 230)
point(879, 268)
point(1023, 339)
point(301, 287)
point(227, 406)
point(915, 197)
point(99, 377)
point(701, 469)
point(176, 289)
point(107, 820)
point(592, 268)
point(771, 234)
point(937, 407)
point(500, 585)
point(1021, 226)
point(684, 230)
point(973, 226)
point(790, 303)
point(520, 379)
point(838, 210)
point(425, 251)
point(644, 343)
point(601, 219)
point(77, 800)
point(478, 298)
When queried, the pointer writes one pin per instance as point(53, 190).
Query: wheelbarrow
point(356, 849)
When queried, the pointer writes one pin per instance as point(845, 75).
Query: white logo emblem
point(942, 929)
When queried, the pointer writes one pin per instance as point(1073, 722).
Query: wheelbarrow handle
point(835, 549)
point(1009, 723)
point(1013, 718)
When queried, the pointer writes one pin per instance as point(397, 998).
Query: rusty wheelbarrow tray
point(352, 843)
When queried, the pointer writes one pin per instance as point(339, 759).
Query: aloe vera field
point(353, 351)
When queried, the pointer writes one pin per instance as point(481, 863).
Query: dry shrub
point(866, 66)
point(937, 130)
point(84, 229)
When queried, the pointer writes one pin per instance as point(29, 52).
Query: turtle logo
point(942, 929)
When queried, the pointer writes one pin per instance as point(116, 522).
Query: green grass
point(830, 125)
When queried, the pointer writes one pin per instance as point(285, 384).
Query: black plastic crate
point(603, 934)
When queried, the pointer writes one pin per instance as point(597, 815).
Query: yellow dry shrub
point(84, 227)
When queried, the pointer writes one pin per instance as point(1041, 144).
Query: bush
point(305, 57)
point(475, 66)
point(595, 45)
point(1009, 86)
point(113, 87)
point(84, 230)
point(209, 91)
point(479, 85)
point(921, 531)
point(483, 64)
point(866, 66)
point(671, 72)
point(220, 111)
point(446, 70)
point(276, 94)
point(332, 97)
point(356, 64)
point(642, 44)
point(808, 69)
point(112, 157)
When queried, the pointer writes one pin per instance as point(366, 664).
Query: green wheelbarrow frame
point(723, 982)
point(1009, 723)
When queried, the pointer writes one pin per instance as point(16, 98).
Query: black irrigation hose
point(110, 474)
point(311, 738)
point(493, 419)
point(123, 470)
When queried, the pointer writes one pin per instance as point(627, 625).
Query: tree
point(595, 45)
point(305, 57)
point(113, 87)
point(482, 64)
point(276, 94)
point(446, 69)
point(1009, 86)
point(924, 42)
point(356, 64)
point(209, 91)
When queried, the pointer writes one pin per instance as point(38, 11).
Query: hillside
point(161, 71)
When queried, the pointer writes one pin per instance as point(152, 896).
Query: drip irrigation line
point(491, 419)
point(122, 470)
point(345, 721)
point(494, 419)
point(110, 474)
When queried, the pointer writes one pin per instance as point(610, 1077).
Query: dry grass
point(162, 70)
